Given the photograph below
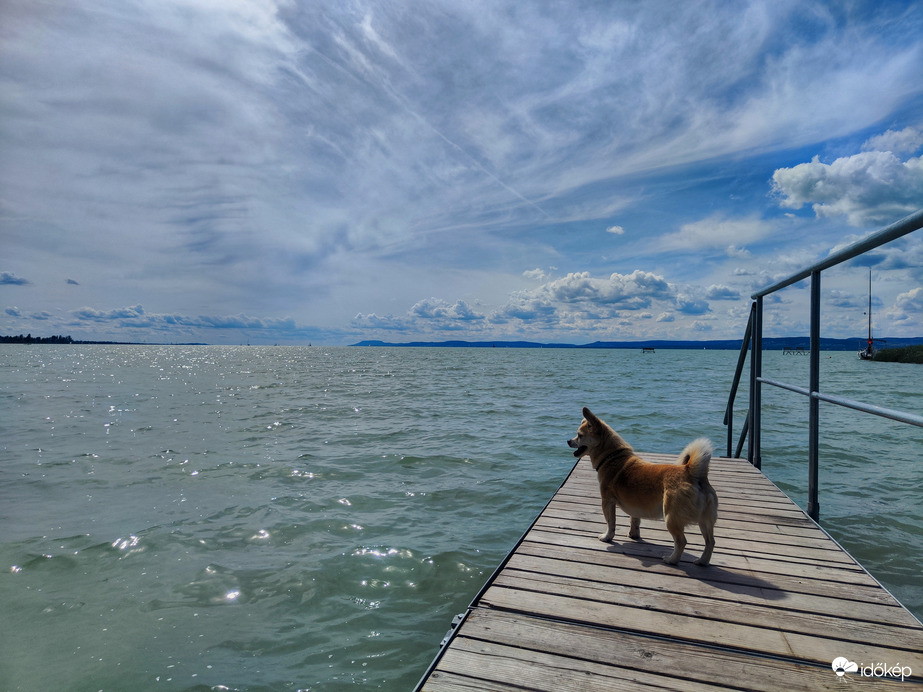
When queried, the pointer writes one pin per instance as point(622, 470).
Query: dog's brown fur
point(680, 494)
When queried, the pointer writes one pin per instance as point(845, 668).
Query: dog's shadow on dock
point(729, 580)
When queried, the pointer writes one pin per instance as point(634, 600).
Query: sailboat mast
point(870, 307)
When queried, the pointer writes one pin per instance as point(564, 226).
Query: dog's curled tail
point(696, 456)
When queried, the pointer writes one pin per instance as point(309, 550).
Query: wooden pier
point(780, 602)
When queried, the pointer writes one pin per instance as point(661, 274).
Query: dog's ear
point(590, 418)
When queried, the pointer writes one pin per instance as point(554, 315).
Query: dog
point(680, 493)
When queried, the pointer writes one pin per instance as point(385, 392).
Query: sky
point(294, 172)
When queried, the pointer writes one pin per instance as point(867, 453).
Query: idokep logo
point(842, 665)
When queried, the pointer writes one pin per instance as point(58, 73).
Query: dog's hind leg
point(707, 527)
point(634, 532)
point(707, 521)
point(679, 539)
point(609, 513)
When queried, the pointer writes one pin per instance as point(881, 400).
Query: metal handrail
point(754, 336)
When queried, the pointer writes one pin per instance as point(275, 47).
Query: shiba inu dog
point(680, 493)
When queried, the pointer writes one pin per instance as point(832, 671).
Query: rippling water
point(196, 518)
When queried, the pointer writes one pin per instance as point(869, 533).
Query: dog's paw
point(702, 562)
point(606, 537)
point(670, 560)
point(634, 535)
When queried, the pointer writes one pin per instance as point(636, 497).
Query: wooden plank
point(684, 663)
point(730, 540)
point(720, 575)
point(533, 669)
point(739, 591)
point(779, 603)
point(649, 550)
point(682, 603)
point(820, 648)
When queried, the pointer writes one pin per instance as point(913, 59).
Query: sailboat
point(868, 353)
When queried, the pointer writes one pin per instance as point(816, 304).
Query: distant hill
point(769, 344)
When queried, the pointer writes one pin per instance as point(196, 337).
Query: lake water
point(277, 518)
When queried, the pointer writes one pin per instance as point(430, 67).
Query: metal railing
point(754, 341)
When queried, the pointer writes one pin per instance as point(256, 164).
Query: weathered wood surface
point(780, 601)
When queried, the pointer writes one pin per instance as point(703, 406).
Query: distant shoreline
point(39, 340)
point(796, 344)
point(769, 344)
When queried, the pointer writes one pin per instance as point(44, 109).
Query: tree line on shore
point(29, 339)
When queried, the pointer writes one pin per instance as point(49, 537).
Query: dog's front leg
point(609, 514)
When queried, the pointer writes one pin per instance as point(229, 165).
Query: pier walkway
point(780, 602)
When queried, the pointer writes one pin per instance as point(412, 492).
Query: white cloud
point(535, 274)
point(578, 300)
point(905, 141)
point(718, 231)
point(10, 279)
point(135, 316)
point(870, 188)
point(690, 305)
point(445, 313)
point(721, 292)
point(907, 310)
point(619, 291)
point(616, 230)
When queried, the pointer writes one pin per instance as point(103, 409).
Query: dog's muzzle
point(581, 449)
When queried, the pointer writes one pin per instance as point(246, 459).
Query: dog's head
point(591, 432)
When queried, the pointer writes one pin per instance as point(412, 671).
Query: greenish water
point(251, 518)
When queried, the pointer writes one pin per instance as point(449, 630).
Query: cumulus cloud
point(425, 316)
point(440, 310)
point(91, 314)
point(721, 292)
point(905, 141)
point(10, 279)
point(535, 274)
point(135, 316)
point(908, 309)
point(578, 300)
point(616, 230)
point(689, 305)
point(13, 311)
point(620, 291)
point(374, 322)
point(870, 188)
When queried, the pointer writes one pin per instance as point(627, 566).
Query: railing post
point(732, 397)
point(756, 371)
point(729, 422)
point(813, 405)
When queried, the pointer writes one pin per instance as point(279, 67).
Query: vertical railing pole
point(729, 422)
point(741, 359)
point(756, 371)
point(813, 405)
